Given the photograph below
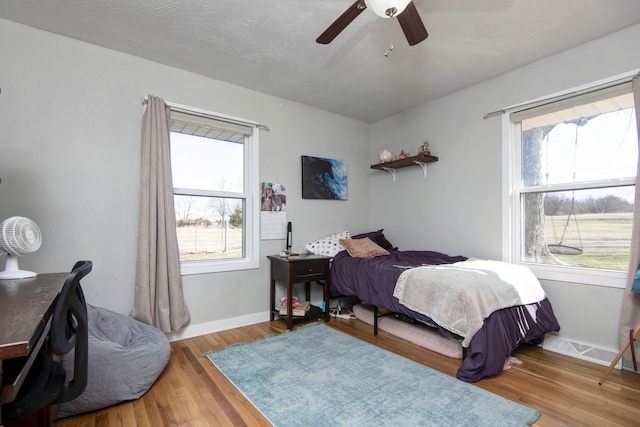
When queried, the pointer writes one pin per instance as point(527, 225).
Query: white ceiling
point(269, 45)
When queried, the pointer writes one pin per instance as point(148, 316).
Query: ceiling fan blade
point(412, 25)
point(341, 23)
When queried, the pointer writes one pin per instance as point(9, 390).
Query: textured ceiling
point(269, 46)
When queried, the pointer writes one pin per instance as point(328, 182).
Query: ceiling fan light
point(380, 7)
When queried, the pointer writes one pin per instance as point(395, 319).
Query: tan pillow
point(363, 248)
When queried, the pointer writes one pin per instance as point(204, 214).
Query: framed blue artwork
point(324, 178)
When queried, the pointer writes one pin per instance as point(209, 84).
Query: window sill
point(578, 275)
point(205, 267)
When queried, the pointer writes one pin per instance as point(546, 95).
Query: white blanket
point(460, 296)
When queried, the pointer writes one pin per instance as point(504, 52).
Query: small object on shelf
point(424, 148)
point(287, 254)
point(402, 155)
point(298, 309)
point(386, 156)
point(294, 300)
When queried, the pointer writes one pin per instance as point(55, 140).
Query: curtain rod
point(209, 114)
point(547, 101)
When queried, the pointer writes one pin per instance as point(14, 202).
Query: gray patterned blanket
point(460, 296)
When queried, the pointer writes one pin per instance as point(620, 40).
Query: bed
point(373, 278)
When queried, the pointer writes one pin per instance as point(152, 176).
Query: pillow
point(377, 237)
point(363, 248)
point(370, 234)
point(383, 242)
point(328, 245)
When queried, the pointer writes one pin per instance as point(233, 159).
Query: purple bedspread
point(373, 281)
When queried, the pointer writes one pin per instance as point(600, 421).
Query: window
point(573, 181)
point(214, 168)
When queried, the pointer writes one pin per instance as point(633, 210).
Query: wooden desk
point(26, 306)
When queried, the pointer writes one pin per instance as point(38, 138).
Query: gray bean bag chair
point(125, 358)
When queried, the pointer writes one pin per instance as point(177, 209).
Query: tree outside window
point(576, 183)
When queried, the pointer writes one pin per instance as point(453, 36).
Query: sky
point(606, 147)
point(206, 164)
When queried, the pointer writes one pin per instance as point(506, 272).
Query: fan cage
point(20, 236)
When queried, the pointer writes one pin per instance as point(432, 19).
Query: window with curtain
point(214, 170)
point(574, 165)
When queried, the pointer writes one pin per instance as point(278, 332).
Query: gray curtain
point(631, 306)
point(159, 300)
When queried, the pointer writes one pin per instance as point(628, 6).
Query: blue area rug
point(318, 376)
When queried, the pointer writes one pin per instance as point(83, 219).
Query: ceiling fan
point(404, 10)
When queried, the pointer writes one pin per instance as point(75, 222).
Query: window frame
point(513, 211)
point(250, 194)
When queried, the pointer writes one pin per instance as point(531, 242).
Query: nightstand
point(301, 269)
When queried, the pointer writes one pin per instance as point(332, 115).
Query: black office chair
point(46, 383)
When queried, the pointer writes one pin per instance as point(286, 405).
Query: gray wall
point(69, 158)
point(70, 115)
point(458, 208)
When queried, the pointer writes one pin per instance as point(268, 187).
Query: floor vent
point(589, 352)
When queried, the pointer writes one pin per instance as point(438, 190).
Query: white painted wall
point(457, 208)
point(70, 120)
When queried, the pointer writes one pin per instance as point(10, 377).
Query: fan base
point(17, 274)
point(12, 270)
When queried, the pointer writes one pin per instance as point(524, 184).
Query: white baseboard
point(218, 325)
point(580, 350)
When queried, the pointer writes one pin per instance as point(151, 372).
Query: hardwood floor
point(192, 392)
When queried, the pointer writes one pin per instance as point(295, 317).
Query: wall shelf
point(421, 160)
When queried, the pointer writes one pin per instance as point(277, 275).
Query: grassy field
point(201, 243)
point(604, 238)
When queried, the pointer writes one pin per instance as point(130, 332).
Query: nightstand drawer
point(307, 271)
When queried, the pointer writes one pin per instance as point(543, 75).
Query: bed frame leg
point(375, 320)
